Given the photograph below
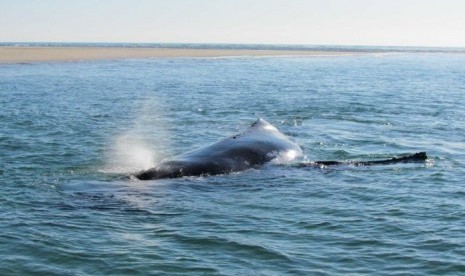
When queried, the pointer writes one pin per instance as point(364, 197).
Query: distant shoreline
point(28, 54)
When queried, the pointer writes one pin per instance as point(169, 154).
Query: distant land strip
point(21, 54)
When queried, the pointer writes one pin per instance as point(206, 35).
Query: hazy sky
point(336, 22)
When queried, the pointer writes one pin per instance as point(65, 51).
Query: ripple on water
point(70, 133)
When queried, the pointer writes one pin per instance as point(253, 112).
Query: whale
point(259, 144)
point(410, 158)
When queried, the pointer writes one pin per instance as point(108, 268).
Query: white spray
point(141, 146)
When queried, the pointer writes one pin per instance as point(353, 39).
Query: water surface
point(70, 131)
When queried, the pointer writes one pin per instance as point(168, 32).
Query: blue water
point(71, 131)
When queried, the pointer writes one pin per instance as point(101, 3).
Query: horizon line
point(231, 43)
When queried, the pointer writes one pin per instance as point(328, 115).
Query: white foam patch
point(286, 157)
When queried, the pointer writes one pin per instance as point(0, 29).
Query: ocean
point(72, 132)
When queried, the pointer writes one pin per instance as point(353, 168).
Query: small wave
point(258, 251)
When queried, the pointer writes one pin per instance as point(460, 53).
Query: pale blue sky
point(335, 22)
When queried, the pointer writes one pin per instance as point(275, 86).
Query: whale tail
point(411, 158)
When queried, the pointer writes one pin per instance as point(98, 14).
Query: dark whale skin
point(257, 145)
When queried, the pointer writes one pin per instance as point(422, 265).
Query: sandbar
point(19, 54)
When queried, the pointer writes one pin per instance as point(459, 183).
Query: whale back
point(258, 144)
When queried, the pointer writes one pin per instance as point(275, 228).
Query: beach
point(13, 54)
